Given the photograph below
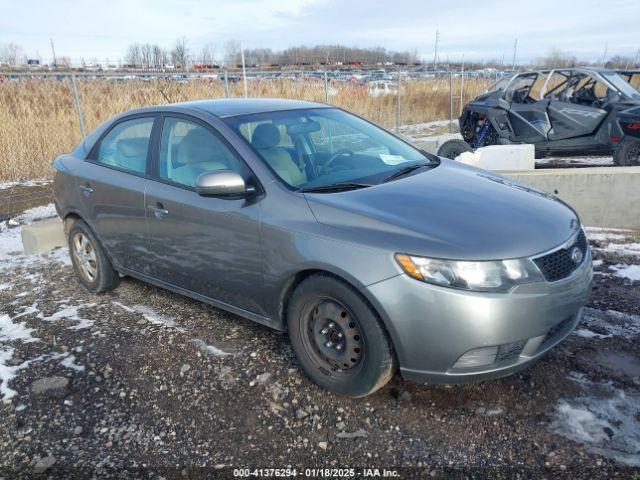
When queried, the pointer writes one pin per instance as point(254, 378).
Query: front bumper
point(432, 327)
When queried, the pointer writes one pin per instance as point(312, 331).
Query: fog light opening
point(477, 357)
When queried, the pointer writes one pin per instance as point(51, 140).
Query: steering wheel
point(339, 153)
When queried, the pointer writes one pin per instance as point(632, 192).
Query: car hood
point(451, 211)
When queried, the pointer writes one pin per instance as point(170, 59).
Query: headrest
point(266, 135)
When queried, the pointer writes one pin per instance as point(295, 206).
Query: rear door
point(575, 104)
point(112, 183)
point(210, 246)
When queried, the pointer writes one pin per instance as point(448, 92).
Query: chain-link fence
point(43, 115)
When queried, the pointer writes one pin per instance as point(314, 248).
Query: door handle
point(86, 189)
point(158, 210)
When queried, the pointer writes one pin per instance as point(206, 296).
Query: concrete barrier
point(501, 157)
point(606, 197)
point(40, 237)
point(433, 144)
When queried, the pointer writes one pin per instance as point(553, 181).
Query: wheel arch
point(297, 278)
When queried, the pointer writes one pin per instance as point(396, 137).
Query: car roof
point(228, 107)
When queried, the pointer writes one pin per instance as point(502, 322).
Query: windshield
point(626, 88)
point(325, 146)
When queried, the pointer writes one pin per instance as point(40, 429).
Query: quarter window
point(188, 149)
point(126, 145)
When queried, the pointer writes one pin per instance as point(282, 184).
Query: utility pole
point(604, 55)
point(461, 84)
point(244, 72)
point(515, 51)
point(435, 51)
point(635, 61)
point(53, 51)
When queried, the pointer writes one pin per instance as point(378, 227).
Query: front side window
point(188, 149)
point(317, 147)
point(126, 145)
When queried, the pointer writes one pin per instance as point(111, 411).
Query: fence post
point(398, 105)
point(226, 83)
point(78, 105)
point(450, 102)
point(326, 88)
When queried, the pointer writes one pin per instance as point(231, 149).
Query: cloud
point(98, 29)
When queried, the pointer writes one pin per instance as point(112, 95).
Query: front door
point(210, 246)
point(112, 183)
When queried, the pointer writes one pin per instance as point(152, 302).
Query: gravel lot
point(141, 382)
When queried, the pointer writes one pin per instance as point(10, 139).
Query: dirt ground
point(143, 383)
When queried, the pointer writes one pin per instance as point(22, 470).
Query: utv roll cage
point(569, 84)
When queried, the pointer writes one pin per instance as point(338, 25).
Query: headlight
point(484, 276)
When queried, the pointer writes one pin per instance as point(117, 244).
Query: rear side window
point(126, 145)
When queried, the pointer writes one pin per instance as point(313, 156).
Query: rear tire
point(338, 339)
point(453, 148)
point(627, 153)
point(89, 260)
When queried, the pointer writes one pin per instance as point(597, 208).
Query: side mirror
point(222, 183)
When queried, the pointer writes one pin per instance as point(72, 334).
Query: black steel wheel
point(333, 337)
point(337, 337)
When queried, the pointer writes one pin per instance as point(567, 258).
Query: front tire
point(89, 260)
point(453, 148)
point(627, 153)
point(338, 339)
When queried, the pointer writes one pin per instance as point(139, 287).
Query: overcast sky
point(481, 29)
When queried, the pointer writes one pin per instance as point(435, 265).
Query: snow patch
point(631, 272)
point(583, 332)
point(209, 349)
point(150, 315)
point(9, 372)
point(603, 235)
point(28, 183)
point(622, 248)
point(10, 332)
point(69, 362)
point(611, 322)
point(607, 426)
point(70, 312)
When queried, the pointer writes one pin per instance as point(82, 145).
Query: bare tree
point(556, 58)
point(208, 54)
point(232, 53)
point(180, 53)
point(133, 57)
point(10, 54)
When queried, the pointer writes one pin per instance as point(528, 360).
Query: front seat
point(265, 139)
point(197, 153)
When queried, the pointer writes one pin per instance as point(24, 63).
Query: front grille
point(558, 264)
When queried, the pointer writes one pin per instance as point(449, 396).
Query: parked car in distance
point(567, 111)
point(368, 252)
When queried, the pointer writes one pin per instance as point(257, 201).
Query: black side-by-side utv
point(566, 112)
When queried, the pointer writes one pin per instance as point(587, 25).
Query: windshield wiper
point(408, 169)
point(334, 187)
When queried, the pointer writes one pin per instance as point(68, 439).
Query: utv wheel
point(90, 263)
point(627, 153)
point(453, 148)
point(338, 338)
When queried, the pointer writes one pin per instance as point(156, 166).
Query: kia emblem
point(576, 255)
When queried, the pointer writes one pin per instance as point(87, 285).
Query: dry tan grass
point(38, 119)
